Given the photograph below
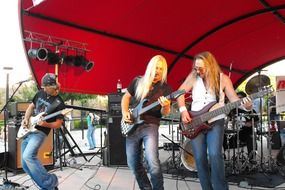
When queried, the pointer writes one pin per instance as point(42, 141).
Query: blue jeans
point(91, 137)
point(212, 177)
point(32, 166)
point(147, 135)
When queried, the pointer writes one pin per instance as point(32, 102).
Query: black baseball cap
point(49, 79)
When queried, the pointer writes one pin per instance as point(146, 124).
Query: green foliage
point(2, 97)
point(1, 124)
point(82, 98)
point(78, 126)
point(25, 93)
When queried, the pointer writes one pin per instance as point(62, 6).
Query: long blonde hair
point(212, 73)
point(145, 82)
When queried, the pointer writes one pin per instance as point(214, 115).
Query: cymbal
point(256, 82)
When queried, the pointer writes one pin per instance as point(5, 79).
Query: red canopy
point(122, 36)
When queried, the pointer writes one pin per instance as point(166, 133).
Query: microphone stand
point(6, 182)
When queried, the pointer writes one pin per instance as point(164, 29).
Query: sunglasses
point(200, 69)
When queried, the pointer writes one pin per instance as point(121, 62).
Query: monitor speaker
point(45, 154)
point(116, 148)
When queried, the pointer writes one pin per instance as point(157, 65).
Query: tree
point(26, 93)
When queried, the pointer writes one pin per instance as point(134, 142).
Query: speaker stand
point(58, 155)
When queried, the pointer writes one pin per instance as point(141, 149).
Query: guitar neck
point(149, 107)
point(225, 109)
point(51, 115)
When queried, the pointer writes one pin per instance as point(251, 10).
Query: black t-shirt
point(48, 104)
point(153, 115)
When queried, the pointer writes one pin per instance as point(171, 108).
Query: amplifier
point(45, 154)
point(18, 107)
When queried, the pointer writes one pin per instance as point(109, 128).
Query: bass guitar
point(200, 118)
point(24, 131)
point(128, 128)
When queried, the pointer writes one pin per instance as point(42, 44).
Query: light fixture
point(54, 58)
point(40, 54)
point(86, 64)
point(78, 61)
point(43, 54)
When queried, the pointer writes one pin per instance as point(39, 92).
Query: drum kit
point(236, 159)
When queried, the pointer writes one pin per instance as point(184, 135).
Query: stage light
point(38, 53)
point(86, 64)
point(79, 61)
point(54, 58)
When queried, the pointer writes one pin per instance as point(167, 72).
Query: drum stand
point(238, 157)
point(171, 162)
point(272, 167)
point(250, 162)
point(242, 162)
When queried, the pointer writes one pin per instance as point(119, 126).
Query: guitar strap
point(221, 97)
point(51, 108)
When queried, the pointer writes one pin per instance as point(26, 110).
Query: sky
point(12, 50)
point(11, 47)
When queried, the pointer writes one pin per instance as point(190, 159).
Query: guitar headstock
point(262, 91)
point(177, 93)
point(66, 111)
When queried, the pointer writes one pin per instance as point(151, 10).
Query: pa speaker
point(116, 151)
point(45, 154)
point(114, 104)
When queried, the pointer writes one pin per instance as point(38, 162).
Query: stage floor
point(77, 173)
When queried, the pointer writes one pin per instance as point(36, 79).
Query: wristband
point(182, 109)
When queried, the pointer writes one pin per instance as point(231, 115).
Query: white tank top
point(202, 97)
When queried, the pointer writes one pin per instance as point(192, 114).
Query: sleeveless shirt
point(202, 97)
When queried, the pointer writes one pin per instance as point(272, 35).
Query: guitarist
point(208, 84)
point(46, 100)
point(151, 86)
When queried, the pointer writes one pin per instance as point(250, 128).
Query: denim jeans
point(210, 141)
point(146, 135)
point(32, 166)
point(91, 137)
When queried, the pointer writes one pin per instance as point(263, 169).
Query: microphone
point(23, 81)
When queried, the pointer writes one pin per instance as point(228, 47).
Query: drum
point(186, 158)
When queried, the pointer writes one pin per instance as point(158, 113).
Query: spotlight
point(40, 53)
point(54, 58)
point(86, 64)
point(79, 61)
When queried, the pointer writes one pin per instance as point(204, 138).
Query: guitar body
point(200, 118)
point(196, 126)
point(25, 130)
point(128, 128)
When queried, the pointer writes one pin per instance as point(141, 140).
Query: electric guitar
point(200, 118)
point(24, 131)
point(128, 128)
